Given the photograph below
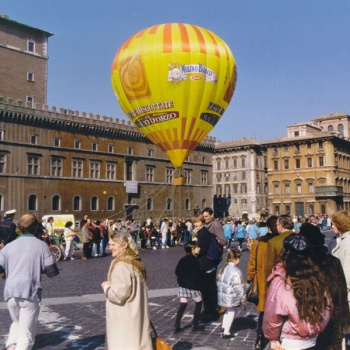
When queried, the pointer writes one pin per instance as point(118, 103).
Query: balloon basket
point(179, 181)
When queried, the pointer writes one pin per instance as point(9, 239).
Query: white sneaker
point(163, 247)
point(154, 248)
point(72, 258)
point(167, 247)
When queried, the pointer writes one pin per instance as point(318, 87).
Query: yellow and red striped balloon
point(174, 81)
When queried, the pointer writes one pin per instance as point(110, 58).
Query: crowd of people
point(302, 285)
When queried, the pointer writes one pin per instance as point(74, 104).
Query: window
point(33, 139)
point(297, 163)
point(243, 174)
point(244, 201)
point(33, 165)
point(2, 135)
point(77, 144)
point(287, 209)
point(258, 188)
point(30, 76)
point(309, 162)
point(110, 171)
point(218, 164)
point(235, 188)
point(94, 169)
point(320, 161)
point(130, 151)
point(235, 201)
point(311, 187)
point(299, 188)
point(188, 177)
point(243, 188)
point(57, 142)
point(235, 162)
point(32, 202)
point(330, 128)
point(56, 203)
point(204, 178)
point(77, 203)
point(29, 101)
point(110, 203)
point(320, 145)
point(274, 149)
point(340, 128)
point(276, 189)
point(77, 168)
point(2, 163)
point(168, 204)
point(95, 146)
point(275, 164)
point(297, 148)
point(227, 176)
point(30, 46)
point(110, 148)
point(309, 145)
point(149, 203)
point(169, 176)
point(56, 166)
point(94, 203)
point(128, 170)
point(296, 133)
point(218, 190)
point(149, 174)
point(218, 177)
point(286, 164)
point(243, 162)
point(227, 190)
point(1, 202)
point(277, 210)
point(187, 204)
point(285, 147)
point(287, 189)
point(150, 152)
point(227, 163)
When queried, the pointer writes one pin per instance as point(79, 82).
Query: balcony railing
point(329, 191)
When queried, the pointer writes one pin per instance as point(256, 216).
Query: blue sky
point(293, 57)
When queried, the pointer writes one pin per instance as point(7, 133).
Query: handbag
point(157, 342)
point(252, 293)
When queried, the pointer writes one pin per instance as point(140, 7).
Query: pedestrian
point(7, 228)
point(143, 237)
point(230, 290)
point(69, 235)
point(240, 234)
point(50, 230)
point(164, 233)
point(188, 279)
point(127, 313)
point(207, 269)
point(228, 232)
point(86, 237)
point(23, 262)
point(257, 270)
point(298, 303)
point(96, 245)
point(104, 229)
point(285, 226)
point(252, 232)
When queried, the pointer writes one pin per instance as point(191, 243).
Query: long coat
point(127, 314)
point(258, 258)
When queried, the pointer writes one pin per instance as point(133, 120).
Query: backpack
point(215, 250)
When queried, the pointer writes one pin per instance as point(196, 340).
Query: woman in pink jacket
point(298, 306)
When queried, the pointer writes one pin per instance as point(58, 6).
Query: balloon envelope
point(174, 81)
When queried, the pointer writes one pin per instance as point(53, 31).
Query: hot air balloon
point(174, 81)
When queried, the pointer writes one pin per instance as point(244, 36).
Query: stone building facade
point(59, 161)
point(309, 169)
point(239, 179)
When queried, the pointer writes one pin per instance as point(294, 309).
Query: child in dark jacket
point(188, 278)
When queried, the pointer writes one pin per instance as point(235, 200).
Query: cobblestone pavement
point(78, 323)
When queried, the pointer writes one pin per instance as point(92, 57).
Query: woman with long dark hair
point(298, 305)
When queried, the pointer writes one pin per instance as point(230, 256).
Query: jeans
point(24, 314)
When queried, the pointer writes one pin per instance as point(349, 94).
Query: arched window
point(32, 202)
point(56, 202)
point(77, 203)
point(168, 204)
point(187, 204)
point(330, 128)
point(341, 129)
point(110, 203)
point(94, 203)
point(149, 204)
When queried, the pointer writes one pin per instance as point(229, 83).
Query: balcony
point(328, 191)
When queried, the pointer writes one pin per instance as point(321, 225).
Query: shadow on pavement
point(242, 323)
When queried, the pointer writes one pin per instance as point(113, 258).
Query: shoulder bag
point(252, 293)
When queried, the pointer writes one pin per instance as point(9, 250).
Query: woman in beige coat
point(127, 314)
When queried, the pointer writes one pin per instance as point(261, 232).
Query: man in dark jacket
point(7, 228)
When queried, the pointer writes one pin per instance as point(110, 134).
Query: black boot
point(180, 313)
point(196, 316)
